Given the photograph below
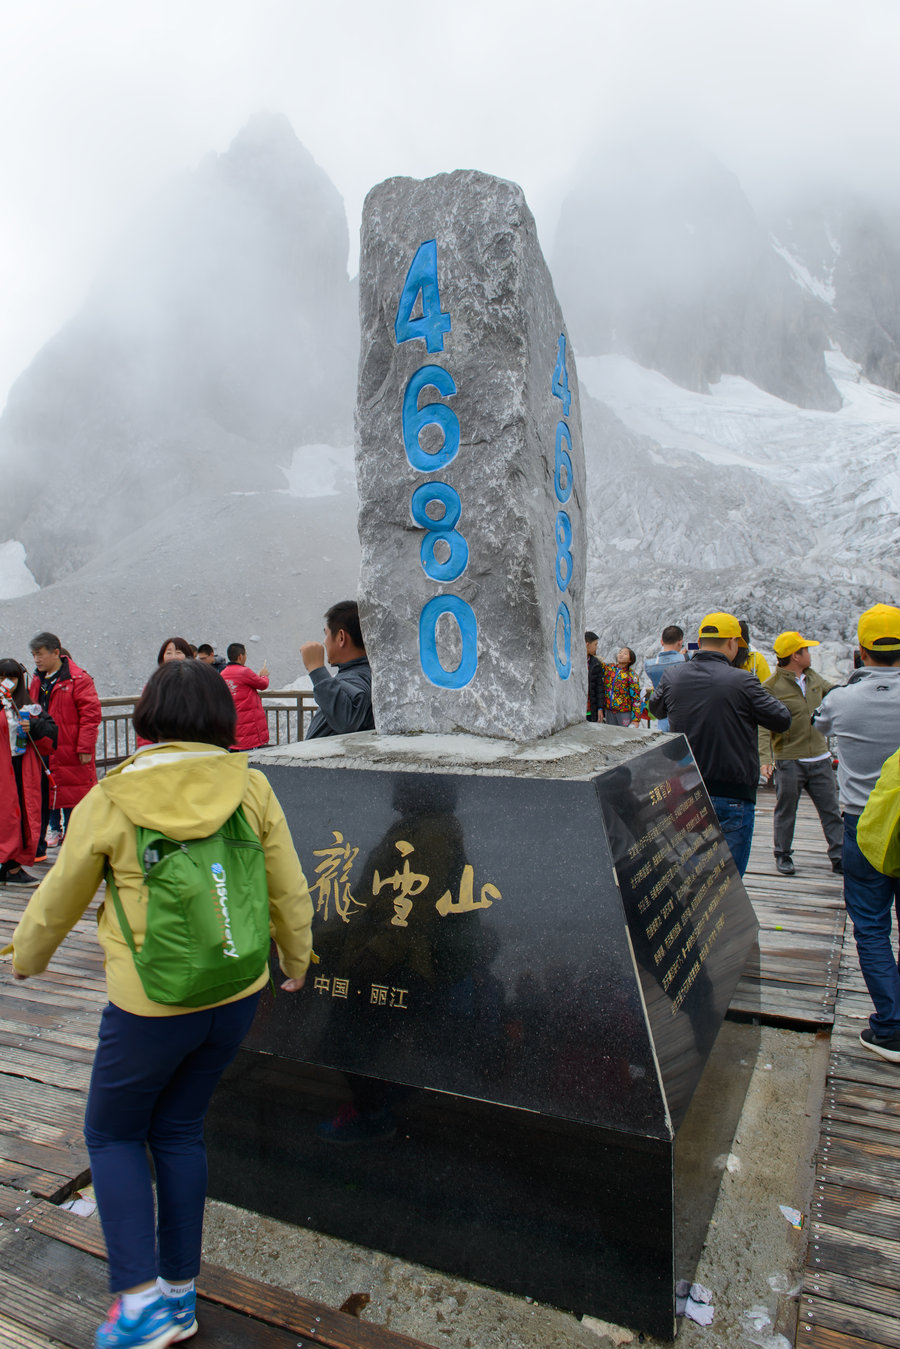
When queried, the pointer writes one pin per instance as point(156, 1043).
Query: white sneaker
point(54, 838)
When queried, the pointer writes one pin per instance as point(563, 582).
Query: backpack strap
point(120, 911)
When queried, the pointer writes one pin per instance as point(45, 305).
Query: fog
point(103, 104)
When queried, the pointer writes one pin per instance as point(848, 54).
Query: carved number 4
point(421, 279)
point(560, 385)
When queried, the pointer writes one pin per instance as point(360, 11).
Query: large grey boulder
point(476, 627)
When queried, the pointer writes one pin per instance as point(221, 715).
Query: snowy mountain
point(220, 336)
point(659, 256)
point(737, 500)
point(846, 254)
point(178, 459)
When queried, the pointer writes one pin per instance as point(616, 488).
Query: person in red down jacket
point(252, 723)
point(26, 733)
point(67, 693)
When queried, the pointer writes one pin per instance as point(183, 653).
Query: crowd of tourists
point(747, 725)
point(166, 818)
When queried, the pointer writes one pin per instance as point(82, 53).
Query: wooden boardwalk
point(53, 1284)
point(801, 926)
point(851, 1290)
point(851, 1295)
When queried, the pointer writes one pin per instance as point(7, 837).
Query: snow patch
point(822, 290)
point(320, 471)
point(15, 578)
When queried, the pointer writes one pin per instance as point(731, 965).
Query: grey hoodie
point(864, 715)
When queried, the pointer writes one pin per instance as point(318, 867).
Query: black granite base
point(528, 978)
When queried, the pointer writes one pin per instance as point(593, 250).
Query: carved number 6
point(563, 464)
point(415, 419)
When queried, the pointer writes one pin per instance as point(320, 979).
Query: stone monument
point(528, 928)
point(469, 466)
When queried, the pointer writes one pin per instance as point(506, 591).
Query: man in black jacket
point(345, 700)
point(719, 709)
point(595, 678)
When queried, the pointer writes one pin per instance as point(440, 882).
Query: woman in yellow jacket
point(156, 1064)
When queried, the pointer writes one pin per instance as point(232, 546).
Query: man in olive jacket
point(801, 755)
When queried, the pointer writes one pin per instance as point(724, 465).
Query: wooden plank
point(38, 1288)
point(853, 1293)
point(13, 1335)
point(24, 1098)
point(861, 1211)
point(45, 1184)
point(239, 1293)
point(852, 1126)
point(855, 1254)
point(869, 1328)
point(65, 1321)
point(46, 1068)
point(813, 1336)
point(837, 1153)
point(867, 1098)
point(49, 1043)
point(71, 1160)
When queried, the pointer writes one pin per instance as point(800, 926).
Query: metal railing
point(288, 712)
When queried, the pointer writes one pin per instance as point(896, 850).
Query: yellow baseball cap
point(879, 628)
point(721, 625)
point(786, 643)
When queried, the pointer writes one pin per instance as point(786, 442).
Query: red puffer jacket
point(75, 708)
point(252, 724)
point(18, 837)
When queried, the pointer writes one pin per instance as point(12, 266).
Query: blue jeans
point(736, 819)
point(870, 899)
point(151, 1084)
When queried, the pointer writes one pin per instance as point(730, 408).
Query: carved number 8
point(443, 529)
point(564, 563)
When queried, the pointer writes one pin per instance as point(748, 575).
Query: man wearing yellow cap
point(864, 716)
point(801, 755)
point(719, 708)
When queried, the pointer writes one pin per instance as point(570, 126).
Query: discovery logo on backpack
point(220, 882)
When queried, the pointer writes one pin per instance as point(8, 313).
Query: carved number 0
point(468, 632)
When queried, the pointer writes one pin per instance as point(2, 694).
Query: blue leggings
point(152, 1081)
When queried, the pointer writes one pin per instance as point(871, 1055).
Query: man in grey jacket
point(345, 699)
point(864, 716)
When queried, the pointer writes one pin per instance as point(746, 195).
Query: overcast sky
point(102, 101)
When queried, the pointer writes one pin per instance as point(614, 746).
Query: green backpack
point(207, 932)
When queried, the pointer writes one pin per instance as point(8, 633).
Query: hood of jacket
point(183, 789)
